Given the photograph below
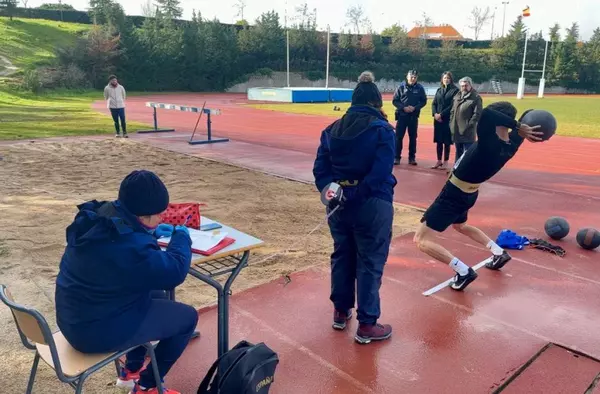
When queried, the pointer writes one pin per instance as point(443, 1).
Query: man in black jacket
point(409, 99)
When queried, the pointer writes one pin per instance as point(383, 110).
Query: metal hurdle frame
point(203, 110)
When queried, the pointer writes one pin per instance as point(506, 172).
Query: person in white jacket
point(115, 95)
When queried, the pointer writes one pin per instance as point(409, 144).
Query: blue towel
point(510, 240)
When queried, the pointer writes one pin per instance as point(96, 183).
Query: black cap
point(143, 193)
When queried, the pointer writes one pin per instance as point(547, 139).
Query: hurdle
point(156, 129)
point(185, 108)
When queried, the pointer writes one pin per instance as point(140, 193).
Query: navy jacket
point(109, 268)
point(406, 95)
point(358, 147)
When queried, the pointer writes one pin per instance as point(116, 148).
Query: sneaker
point(125, 135)
point(498, 261)
point(461, 282)
point(138, 389)
point(412, 162)
point(118, 135)
point(396, 162)
point(127, 378)
point(340, 319)
point(372, 332)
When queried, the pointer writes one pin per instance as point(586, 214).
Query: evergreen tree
point(170, 8)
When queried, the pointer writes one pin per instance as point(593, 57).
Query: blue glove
point(184, 229)
point(163, 230)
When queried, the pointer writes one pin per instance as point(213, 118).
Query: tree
point(56, 6)
point(170, 8)
point(479, 18)
point(555, 33)
point(24, 2)
point(10, 6)
point(356, 18)
point(148, 9)
point(566, 63)
point(423, 24)
point(241, 6)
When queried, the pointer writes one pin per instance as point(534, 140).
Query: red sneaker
point(127, 378)
point(372, 332)
point(340, 319)
point(138, 390)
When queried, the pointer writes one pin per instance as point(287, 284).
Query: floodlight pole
point(327, 67)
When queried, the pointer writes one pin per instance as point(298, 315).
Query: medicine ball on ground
point(588, 238)
point(557, 227)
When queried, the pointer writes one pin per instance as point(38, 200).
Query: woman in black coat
point(440, 108)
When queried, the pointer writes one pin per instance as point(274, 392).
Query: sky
point(384, 13)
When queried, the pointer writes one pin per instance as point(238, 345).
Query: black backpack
point(245, 369)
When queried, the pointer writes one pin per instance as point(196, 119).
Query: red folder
point(221, 245)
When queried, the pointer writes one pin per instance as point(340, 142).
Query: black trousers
point(410, 123)
point(119, 113)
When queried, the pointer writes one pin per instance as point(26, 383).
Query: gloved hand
point(163, 230)
point(333, 196)
point(184, 229)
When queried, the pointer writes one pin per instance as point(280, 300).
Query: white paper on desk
point(202, 240)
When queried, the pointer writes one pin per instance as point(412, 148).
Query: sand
point(41, 184)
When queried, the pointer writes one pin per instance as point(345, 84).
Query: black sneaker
point(461, 282)
point(412, 162)
point(498, 261)
point(396, 162)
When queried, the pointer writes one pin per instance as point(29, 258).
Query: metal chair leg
point(118, 367)
point(79, 388)
point(159, 385)
point(36, 361)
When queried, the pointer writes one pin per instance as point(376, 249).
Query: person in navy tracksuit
point(357, 153)
point(113, 278)
point(409, 99)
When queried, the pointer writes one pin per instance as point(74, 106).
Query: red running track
point(474, 342)
point(563, 164)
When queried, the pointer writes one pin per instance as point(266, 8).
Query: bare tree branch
point(479, 18)
point(240, 5)
point(357, 18)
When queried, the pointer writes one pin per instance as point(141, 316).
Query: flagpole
point(521, 85)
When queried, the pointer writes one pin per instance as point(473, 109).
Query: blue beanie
point(143, 193)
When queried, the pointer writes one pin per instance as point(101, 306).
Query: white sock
point(496, 250)
point(461, 268)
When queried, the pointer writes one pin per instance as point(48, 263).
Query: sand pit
point(43, 182)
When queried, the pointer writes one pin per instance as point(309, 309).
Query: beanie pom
point(366, 77)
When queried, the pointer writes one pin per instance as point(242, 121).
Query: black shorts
point(450, 207)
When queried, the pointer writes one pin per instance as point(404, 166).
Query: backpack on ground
point(245, 369)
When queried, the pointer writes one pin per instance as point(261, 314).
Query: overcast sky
point(384, 13)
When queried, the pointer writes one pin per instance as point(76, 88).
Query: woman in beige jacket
point(115, 95)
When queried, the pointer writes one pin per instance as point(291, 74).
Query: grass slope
point(31, 42)
point(577, 116)
point(59, 113)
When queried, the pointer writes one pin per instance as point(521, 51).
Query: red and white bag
point(177, 213)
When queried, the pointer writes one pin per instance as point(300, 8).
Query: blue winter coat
point(109, 268)
point(358, 147)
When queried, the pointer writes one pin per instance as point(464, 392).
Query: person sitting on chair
point(113, 278)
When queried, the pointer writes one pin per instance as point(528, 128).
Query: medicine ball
point(557, 227)
point(588, 238)
point(542, 118)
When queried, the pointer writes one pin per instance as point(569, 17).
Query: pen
point(186, 220)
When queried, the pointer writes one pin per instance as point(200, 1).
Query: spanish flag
point(526, 12)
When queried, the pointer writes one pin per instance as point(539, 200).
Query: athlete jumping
point(484, 159)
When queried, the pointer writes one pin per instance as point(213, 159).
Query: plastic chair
point(71, 366)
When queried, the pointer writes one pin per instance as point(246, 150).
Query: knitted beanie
point(366, 92)
point(143, 193)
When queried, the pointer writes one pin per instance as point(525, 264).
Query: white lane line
point(449, 281)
